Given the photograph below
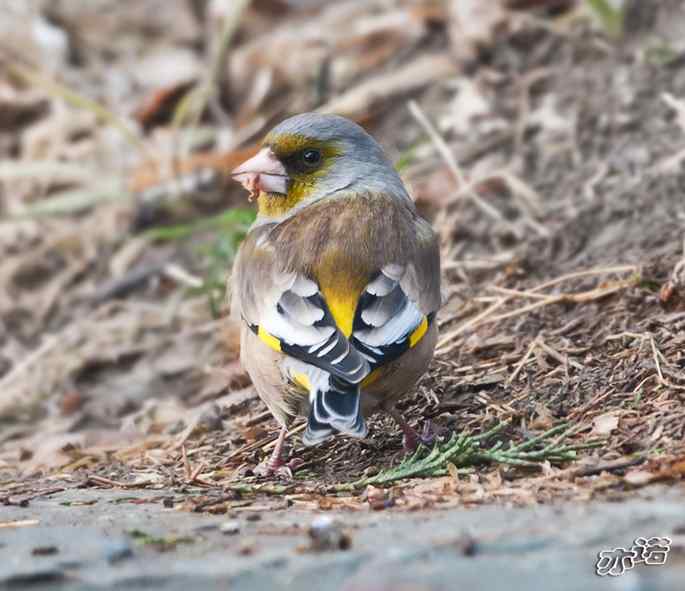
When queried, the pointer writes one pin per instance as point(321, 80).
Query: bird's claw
point(281, 469)
point(412, 439)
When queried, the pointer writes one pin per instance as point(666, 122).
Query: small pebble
point(44, 550)
point(376, 498)
point(325, 534)
point(247, 547)
point(230, 528)
point(206, 527)
point(253, 517)
point(117, 551)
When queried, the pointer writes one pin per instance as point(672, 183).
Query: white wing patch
point(297, 322)
point(389, 316)
point(388, 321)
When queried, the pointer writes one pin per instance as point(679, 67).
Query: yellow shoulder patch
point(302, 380)
point(269, 339)
point(418, 333)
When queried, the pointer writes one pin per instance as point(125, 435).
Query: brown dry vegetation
point(547, 153)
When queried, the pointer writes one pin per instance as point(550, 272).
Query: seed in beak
point(262, 173)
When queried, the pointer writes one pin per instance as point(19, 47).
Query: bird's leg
point(412, 439)
point(275, 461)
point(276, 464)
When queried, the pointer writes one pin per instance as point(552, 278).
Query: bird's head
point(313, 156)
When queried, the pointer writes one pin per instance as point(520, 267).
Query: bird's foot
point(282, 469)
point(412, 439)
point(276, 465)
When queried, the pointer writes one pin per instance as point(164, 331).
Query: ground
point(545, 147)
point(91, 540)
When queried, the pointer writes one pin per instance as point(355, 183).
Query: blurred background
point(541, 137)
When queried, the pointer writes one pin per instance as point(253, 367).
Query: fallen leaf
point(605, 424)
point(473, 24)
point(639, 477)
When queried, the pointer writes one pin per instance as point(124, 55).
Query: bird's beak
point(263, 172)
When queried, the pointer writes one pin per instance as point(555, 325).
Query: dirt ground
point(559, 203)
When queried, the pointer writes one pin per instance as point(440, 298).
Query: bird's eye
point(311, 157)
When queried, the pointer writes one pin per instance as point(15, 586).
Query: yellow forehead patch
point(287, 144)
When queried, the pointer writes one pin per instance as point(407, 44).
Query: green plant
point(227, 231)
point(611, 18)
point(463, 450)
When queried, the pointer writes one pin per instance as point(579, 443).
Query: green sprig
point(463, 451)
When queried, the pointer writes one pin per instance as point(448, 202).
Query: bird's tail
point(336, 410)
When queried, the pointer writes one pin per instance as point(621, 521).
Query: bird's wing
point(288, 312)
point(397, 307)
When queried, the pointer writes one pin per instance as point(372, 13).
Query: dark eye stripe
point(303, 161)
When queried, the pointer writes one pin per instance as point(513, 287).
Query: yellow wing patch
point(371, 378)
point(302, 379)
point(418, 333)
point(269, 339)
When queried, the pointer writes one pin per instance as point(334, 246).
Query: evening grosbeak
point(337, 283)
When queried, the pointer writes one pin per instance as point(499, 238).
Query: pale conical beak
point(263, 172)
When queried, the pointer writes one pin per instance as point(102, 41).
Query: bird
point(336, 284)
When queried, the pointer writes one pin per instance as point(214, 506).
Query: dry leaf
point(639, 477)
point(605, 424)
point(473, 24)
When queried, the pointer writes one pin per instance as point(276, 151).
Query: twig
point(195, 476)
point(73, 200)
point(465, 189)
point(78, 101)
point(24, 501)
point(564, 360)
point(575, 298)
point(180, 275)
point(487, 317)
point(441, 349)
point(193, 104)
point(134, 277)
point(518, 293)
point(261, 444)
point(260, 418)
point(587, 273)
point(524, 360)
point(49, 343)
point(266, 489)
point(101, 480)
point(290, 433)
point(607, 467)
point(20, 523)
point(525, 85)
point(656, 360)
point(186, 462)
